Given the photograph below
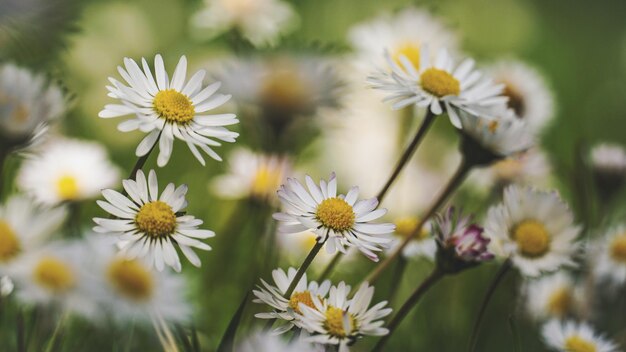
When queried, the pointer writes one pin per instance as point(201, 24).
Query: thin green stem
point(20, 331)
point(55, 335)
point(397, 278)
point(504, 269)
point(429, 282)
point(142, 160)
point(3, 157)
point(330, 266)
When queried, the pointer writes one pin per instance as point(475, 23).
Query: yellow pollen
point(266, 180)
point(9, 243)
point(439, 83)
point(336, 214)
point(156, 219)
point(618, 248)
point(131, 279)
point(410, 51)
point(578, 344)
point(532, 238)
point(406, 226)
point(67, 187)
point(560, 302)
point(54, 275)
point(174, 106)
point(334, 322)
point(303, 297)
point(493, 126)
point(516, 100)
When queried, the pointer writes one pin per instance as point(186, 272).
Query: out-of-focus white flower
point(6, 286)
point(168, 109)
point(609, 158)
point(609, 256)
point(67, 170)
point(535, 229)
point(569, 336)
point(268, 342)
point(554, 296)
point(262, 22)
point(27, 105)
point(294, 247)
point(151, 226)
point(421, 246)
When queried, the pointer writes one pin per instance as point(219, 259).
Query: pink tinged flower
point(472, 245)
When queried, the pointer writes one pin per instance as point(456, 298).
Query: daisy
point(27, 105)
point(67, 170)
point(284, 309)
point(24, 227)
point(151, 226)
point(166, 109)
point(575, 337)
point(455, 233)
point(259, 21)
point(421, 246)
point(535, 229)
point(609, 261)
point(338, 220)
point(252, 175)
point(437, 85)
point(554, 296)
point(340, 321)
point(529, 96)
point(268, 342)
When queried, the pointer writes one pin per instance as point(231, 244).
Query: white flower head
point(287, 309)
point(609, 256)
point(261, 22)
point(67, 170)
point(338, 220)
point(535, 229)
point(569, 336)
point(438, 85)
point(152, 226)
point(609, 158)
point(554, 296)
point(421, 246)
point(168, 109)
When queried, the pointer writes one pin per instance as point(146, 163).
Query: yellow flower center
point(406, 226)
point(266, 180)
point(559, 302)
point(439, 83)
point(578, 344)
point(336, 214)
point(618, 248)
point(334, 323)
point(411, 51)
point(131, 279)
point(307, 240)
point(174, 106)
point(67, 187)
point(532, 238)
point(9, 242)
point(303, 297)
point(156, 219)
point(508, 169)
point(516, 100)
point(54, 274)
point(283, 90)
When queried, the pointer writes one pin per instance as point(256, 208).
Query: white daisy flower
point(252, 175)
point(27, 104)
point(553, 296)
point(609, 158)
point(535, 229)
point(609, 259)
point(152, 226)
point(403, 34)
point(529, 96)
point(261, 22)
point(569, 336)
point(421, 246)
point(269, 342)
point(437, 85)
point(284, 309)
point(338, 220)
point(67, 170)
point(166, 108)
point(340, 320)
point(24, 227)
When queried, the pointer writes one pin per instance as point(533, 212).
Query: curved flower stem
point(454, 183)
point(433, 278)
point(504, 269)
point(330, 267)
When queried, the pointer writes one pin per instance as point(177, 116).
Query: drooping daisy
point(554, 296)
point(287, 310)
point(168, 109)
point(269, 342)
point(338, 220)
point(569, 336)
point(67, 170)
point(152, 226)
point(609, 260)
point(252, 175)
point(421, 246)
point(341, 320)
point(262, 22)
point(529, 96)
point(535, 229)
point(27, 105)
point(437, 85)
point(24, 227)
